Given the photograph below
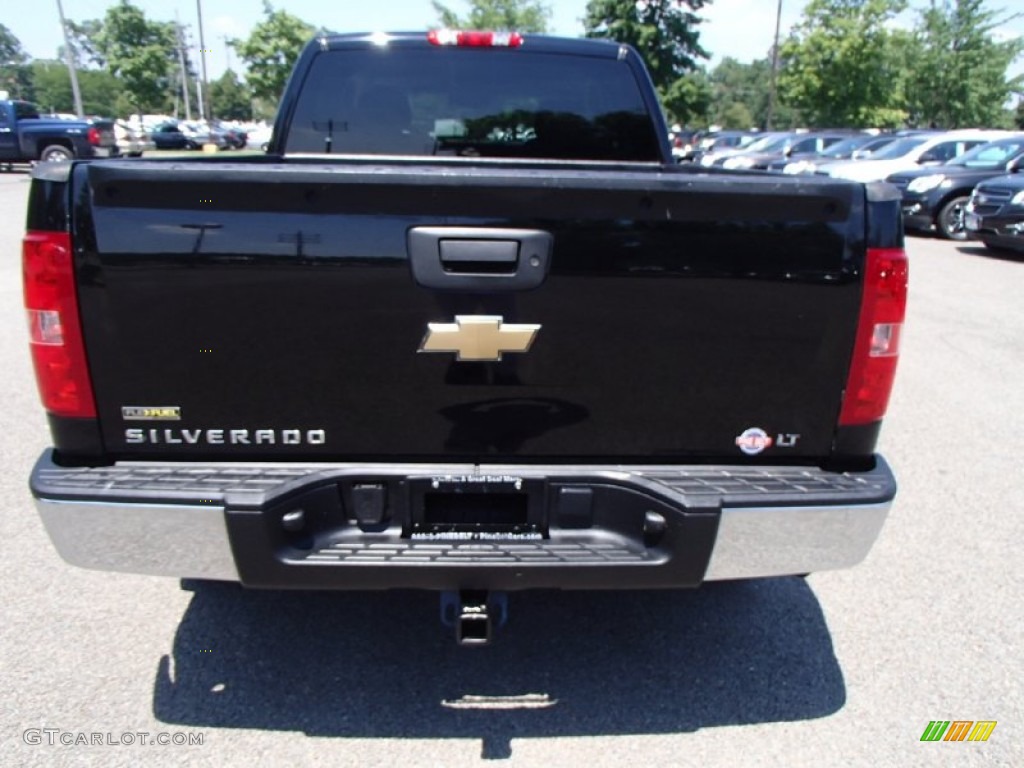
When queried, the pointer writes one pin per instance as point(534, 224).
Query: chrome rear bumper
point(223, 522)
point(155, 539)
point(790, 540)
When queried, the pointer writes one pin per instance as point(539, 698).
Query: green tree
point(666, 34)
point(514, 15)
point(271, 50)
point(735, 117)
point(230, 97)
point(138, 52)
point(959, 79)
point(687, 99)
point(15, 75)
point(843, 66)
point(83, 46)
point(264, 109)
point(740, 96)
point(1006, 120)
point(100, 89)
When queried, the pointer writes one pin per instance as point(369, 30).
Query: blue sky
point(742, 29)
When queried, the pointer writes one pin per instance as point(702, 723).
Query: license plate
point(972, 221)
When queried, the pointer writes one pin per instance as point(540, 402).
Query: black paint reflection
point(504, 425)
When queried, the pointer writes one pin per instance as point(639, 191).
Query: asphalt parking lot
point(843, 668)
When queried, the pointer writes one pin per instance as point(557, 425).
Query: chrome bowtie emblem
point(478, 337)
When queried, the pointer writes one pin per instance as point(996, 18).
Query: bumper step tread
point(256, 485)
point(517, 553)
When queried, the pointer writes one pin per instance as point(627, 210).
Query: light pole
point(205, 97)
point(181, 62)
point(69, 57)
point(775, 69)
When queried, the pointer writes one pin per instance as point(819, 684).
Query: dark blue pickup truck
point(25, 136)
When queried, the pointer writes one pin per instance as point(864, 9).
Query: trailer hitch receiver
point(474, 614)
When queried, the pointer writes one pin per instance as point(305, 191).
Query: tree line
point(128, 64)
point(845, 63)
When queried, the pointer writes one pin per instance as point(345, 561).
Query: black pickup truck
point(26, 136)
point(466, 327)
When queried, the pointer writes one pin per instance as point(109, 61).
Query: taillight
point(55, 334)
point(474, 39)
point(93, 135)
point(877, 347)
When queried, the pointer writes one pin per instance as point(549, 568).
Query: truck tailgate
point(269, 310)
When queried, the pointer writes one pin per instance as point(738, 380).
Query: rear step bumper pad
point(646, 526)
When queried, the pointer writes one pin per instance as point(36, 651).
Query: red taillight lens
point(474, 39)
point(55, 335)
point(877, 347)
point(93, 135)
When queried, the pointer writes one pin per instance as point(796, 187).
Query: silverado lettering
point(135, 436)
point(704, 400)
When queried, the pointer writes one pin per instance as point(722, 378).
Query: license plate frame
point(517, 507)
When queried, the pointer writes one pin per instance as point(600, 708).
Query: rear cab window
point(25, 111)
point(463, 103)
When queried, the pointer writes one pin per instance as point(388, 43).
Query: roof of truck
point(543, 43)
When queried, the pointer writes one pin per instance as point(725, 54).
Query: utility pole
point(184, 70)
point(227, 52)
point(69, 57)
point(775, 69)
point(199, 95)
point(204, 99)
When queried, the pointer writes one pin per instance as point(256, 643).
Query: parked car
point(910, 152)
point(259, 138)
point(756, 142)
point(780, 150)
point(132, 141)
point(937, 197)
point(202, 133)
point(27, 136)
point(170, 136)
point(684, 143)
point(995, 213)
point(721, 141)
point(856, 147)
point(234, 137)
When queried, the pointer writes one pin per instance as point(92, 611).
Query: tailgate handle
point(479, 259)
point(467, 257)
